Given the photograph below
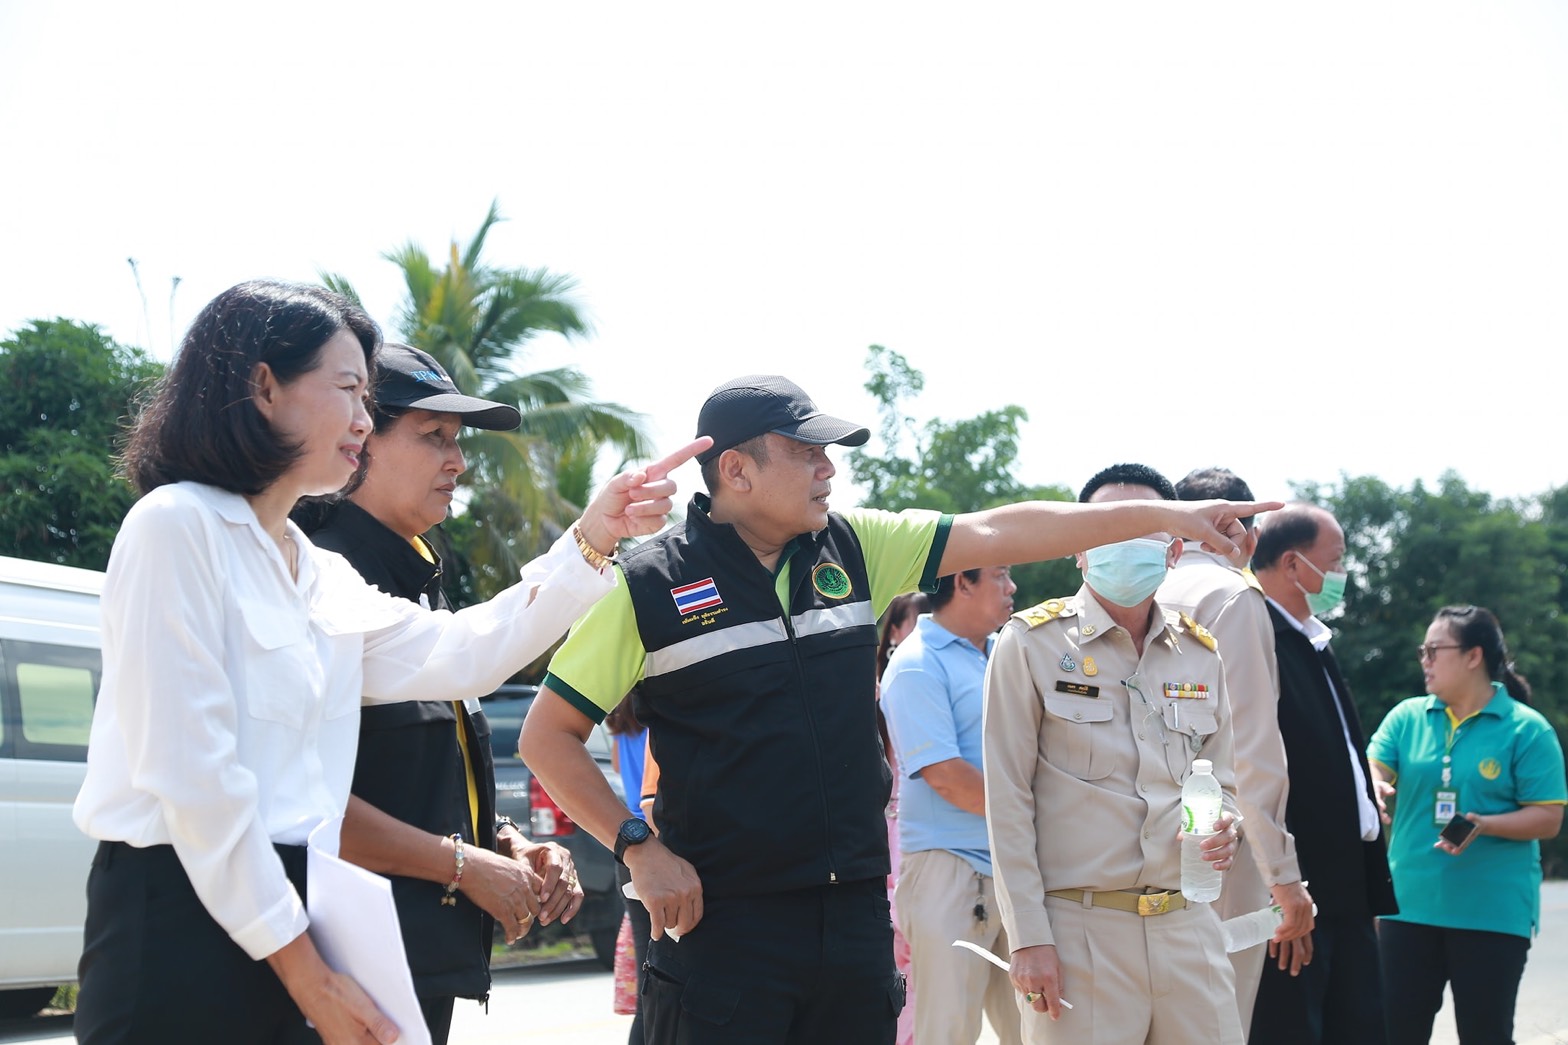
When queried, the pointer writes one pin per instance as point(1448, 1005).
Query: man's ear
point(264, 389)
point(735, 470)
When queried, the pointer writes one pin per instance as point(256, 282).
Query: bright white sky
point(1297, 242)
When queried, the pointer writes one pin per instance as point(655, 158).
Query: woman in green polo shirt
point(1471, 748)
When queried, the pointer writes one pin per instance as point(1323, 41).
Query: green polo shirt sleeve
point(602, 657)
point(1385, 745)
point(903, 550)
point(1538, 764)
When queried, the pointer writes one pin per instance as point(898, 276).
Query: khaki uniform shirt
point(1086, 747)
point(1231, 605)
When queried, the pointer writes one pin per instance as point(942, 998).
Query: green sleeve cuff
point(932, 573)
point(594, 712)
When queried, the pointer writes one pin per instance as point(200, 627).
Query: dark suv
point(521, 797)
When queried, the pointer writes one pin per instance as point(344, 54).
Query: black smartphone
point(1458, 831)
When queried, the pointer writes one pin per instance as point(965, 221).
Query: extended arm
point(1030, 531)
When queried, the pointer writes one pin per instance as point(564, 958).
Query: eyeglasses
point(1429, 650)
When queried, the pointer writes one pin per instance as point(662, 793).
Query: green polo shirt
point(602, 657)
point(1505, 756)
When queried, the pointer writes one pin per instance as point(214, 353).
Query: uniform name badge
point(1445, 806)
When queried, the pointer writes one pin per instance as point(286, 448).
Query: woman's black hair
point(202, 423)
point(622, 719)
point(1477, 627)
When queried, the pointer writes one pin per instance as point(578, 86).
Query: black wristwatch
point(633, 832)
point(506, 821)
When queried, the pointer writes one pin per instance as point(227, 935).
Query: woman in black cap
point(235, 659)
point(424, 778)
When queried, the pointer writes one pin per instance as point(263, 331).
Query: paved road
point(568, 1003)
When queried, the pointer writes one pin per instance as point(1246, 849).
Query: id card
point(1445, 806)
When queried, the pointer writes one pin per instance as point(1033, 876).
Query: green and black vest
point(771, 770)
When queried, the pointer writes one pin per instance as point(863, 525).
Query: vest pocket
point(1189, 724)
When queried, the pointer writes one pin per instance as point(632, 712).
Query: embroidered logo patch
point(698, 595)
point(1490, 768)
point(831, 581)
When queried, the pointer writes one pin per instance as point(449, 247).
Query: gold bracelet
point(593, 556)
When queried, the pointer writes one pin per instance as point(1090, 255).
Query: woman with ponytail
point(1471, 749)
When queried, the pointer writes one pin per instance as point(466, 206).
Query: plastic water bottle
point(1200, 808)
point(1249, 930)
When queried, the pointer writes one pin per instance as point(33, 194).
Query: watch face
point(634, 831)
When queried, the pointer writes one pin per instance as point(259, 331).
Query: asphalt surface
point(569, 1002)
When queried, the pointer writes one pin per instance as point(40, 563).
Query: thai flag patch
point(698, 595)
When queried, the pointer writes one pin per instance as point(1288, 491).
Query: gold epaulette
point(1050, 609)
point(1199, 632)
point(1252, 580)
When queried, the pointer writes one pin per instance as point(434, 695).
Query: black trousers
point(1337, 1000)
point(1484, 967)
point(812, 966)
point(157, 969)
point(642, 931)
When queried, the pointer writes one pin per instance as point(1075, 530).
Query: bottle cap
point(1202, 765)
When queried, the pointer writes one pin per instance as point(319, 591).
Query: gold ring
point(525, 918)
point(1030, 997)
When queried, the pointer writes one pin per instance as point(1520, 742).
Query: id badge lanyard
point(1445, 800)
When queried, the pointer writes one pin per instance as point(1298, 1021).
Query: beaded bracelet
point(450, 899)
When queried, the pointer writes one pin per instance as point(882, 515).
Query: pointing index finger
point(665, 465)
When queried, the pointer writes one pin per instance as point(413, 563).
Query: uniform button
point(1146, 834)
point(1078, 714)
point(1143, 787)
point(1140, 736)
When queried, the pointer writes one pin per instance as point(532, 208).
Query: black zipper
point(816, 746)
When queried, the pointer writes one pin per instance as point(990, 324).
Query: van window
point(50, 694)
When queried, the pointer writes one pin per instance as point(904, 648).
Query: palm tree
point(525, 486)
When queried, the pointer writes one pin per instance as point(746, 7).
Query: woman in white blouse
point(235, 659)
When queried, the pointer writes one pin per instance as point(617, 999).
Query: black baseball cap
point(747, 407)
point(410, 378)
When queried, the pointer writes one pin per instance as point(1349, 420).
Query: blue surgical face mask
point(1129, 572)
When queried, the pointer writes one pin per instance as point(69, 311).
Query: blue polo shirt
point(933, 696)
point(1504, 757)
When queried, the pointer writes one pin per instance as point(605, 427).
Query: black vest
point(410, 767)
point(764, 725)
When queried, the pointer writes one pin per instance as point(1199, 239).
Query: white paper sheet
point(354, 925)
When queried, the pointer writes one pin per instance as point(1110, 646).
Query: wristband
point(449, 899)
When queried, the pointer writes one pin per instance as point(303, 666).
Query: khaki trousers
point(1243, 893)
point(1160, 980)
point(935, 897)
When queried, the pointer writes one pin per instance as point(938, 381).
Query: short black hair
point(755, 448)
point(1477, 626)
point(1210, 484)
point(1129, 475)
point(947, 587)
point(202, 423)
point(1290, 529)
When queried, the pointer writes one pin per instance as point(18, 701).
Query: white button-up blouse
point(228, 715)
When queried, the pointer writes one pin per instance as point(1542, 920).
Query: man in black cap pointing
point(750, 630)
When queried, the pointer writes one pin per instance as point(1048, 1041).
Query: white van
point(49, 672)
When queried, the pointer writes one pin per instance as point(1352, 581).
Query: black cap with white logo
point(410, 378)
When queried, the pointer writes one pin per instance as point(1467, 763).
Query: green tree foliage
point(477, 319)
point(66, 390)
point(951, 466)
point(1413, 551)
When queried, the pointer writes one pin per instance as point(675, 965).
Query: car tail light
point(545, 818)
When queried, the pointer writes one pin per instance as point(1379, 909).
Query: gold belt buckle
point(1153, 903)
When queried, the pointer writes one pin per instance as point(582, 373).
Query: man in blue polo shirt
point(933, 697)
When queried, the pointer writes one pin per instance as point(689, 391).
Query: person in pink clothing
point(897, 622)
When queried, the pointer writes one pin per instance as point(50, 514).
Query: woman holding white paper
point(235, 657)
